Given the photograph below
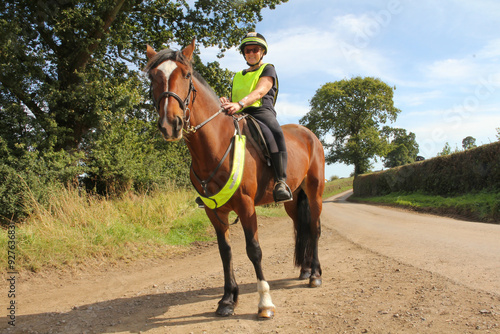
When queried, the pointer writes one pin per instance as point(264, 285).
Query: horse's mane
point(168, 54)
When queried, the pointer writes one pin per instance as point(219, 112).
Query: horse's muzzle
point(171, 131)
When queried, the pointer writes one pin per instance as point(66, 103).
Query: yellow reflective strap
point(219, 199)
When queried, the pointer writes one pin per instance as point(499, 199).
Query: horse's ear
point(150, 52)
point(188, 50)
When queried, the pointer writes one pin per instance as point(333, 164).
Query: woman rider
point(254, 91)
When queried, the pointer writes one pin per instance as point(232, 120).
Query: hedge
point(463, 172)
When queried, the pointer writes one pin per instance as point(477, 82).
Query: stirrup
point(288, 198)
point(200, 202)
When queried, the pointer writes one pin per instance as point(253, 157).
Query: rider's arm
point(264, 85)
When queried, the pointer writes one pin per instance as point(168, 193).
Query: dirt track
point(384, 271)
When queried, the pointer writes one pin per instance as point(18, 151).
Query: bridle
point(184, 105)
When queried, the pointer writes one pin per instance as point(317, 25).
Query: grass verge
point(481, 206)
point(78, 229)
point(337, 186)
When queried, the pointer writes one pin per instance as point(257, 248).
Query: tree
point(350, 112)
point(63, 61)
point(402, 148)
point(498, 133)
point(469, 142)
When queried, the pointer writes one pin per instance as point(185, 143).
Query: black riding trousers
point(268, 118)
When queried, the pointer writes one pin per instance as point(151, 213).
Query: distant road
point(466, 252)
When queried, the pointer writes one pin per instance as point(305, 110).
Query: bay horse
point(189, 109)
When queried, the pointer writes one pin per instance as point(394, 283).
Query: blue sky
point(442, 56)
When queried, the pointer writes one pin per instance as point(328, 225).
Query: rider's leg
point(279, 154)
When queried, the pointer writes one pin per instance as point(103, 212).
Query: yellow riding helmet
point(254, 38)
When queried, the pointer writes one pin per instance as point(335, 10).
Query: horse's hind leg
point(300, 229)
point(315, 206)
point(266, 308)
point(231, 290)
point(305, 214)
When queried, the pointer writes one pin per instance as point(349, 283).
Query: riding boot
point(282, 192)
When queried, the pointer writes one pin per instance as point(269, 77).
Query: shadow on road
point(136, 314)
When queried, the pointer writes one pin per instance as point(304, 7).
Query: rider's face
point(253, 53)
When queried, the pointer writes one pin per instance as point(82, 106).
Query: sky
point(443, 57)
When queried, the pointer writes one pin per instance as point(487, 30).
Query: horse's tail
point(304, 239)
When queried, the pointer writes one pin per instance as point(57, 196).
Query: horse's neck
point(208, 145)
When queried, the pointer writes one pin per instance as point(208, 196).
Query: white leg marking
point(265, 296)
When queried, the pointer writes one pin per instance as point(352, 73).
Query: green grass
point(337, 186)
point(483, 206)
point(77, 228)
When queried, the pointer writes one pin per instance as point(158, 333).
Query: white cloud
point(413, 100)
point(466, 70)
point(289, 112)
point(491, 50)
point(452, 70)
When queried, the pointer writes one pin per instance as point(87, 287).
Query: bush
point(26, 181)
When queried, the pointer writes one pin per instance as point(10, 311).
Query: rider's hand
point(231, 107)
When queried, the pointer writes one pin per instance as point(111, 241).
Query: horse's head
point(172, 88)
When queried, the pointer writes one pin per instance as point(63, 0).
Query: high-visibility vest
point(245, 84)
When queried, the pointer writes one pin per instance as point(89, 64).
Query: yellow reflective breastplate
point(245, 84)
point(219, 199)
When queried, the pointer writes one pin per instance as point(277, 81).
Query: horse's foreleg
point(266, 307)
point(231, 290)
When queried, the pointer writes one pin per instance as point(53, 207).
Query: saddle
point(258, 139)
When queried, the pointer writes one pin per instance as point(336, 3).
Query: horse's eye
point(188, 75)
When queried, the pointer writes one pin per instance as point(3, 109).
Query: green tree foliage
point(498, 133)
point(469, 142)
point(402, 147)
point(71, 82)
point(59, 57)
point(347, 115)
point(447, 150)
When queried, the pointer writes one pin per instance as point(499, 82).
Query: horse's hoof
point(315, 282)
point(225, 310)
point(304, 275)
point(266, 313)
